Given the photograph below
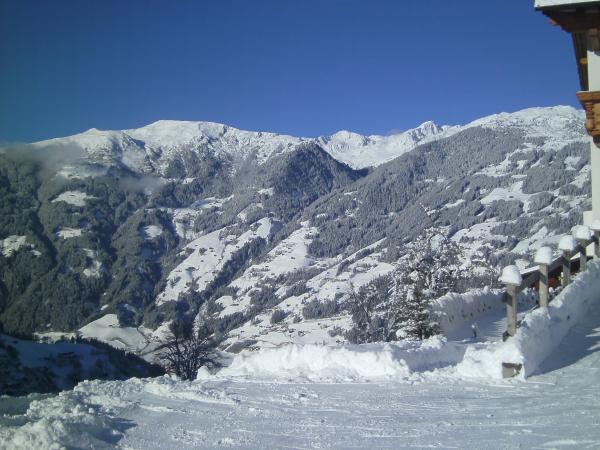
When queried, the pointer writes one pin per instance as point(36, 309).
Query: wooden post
point(582, 256)
point(566, 268)
point(511, 311)
point(596, 243)
point(544, 293)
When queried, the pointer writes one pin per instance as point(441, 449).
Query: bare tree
point(185, 350)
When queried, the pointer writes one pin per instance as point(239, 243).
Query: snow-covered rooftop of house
point(548, 3)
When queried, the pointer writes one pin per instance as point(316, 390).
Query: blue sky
point(305, 67)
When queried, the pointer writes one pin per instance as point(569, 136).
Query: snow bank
point(454, 311)
point(540, 332)
point(68, 420)
point(367, 362)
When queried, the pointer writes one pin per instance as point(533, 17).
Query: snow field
point(75, 198)
point(107, 329)
point(183, 218)
point(66, 232)
point(11, 244)
point(68, 420)
point(150, 232)
point(95, 267)
point(325, 286)
point(289, 255)
point(515, 192)
point(207, 256)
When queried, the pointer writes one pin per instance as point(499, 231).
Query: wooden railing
point(573, 257)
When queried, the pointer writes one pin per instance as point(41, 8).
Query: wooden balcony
point(590, 100)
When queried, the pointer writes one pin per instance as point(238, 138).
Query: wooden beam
point(590, 100)
point(594, 39)
point(575, 20)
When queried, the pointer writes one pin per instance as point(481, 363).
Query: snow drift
point(454, 311)
point(540, 332)
point(366, 362)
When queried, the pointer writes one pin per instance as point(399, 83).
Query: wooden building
point(581, 19)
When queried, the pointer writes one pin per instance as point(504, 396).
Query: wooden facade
point(582, 20)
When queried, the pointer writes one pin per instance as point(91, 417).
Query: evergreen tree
point(429, 270)
point(398, 306)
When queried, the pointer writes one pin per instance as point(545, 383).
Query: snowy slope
point(369, 151)
point(206, 257)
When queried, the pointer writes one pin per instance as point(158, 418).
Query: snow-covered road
point(536, 414)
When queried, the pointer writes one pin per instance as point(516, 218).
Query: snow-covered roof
point(550, 3)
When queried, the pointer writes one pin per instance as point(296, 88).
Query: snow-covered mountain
point(229, 226)
point(151, 148)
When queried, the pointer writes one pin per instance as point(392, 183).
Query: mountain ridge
point(356, 150)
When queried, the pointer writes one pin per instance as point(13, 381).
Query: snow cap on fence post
point(581, 232)
point(511, 275)
point(567, 243)
point(543, 256)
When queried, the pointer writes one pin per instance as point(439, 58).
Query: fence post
point(567, 245)
point(566, 268)
point(543, 257)
point(544, 290)
point(511, 277)
point(511, 312)
point(582, 234)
